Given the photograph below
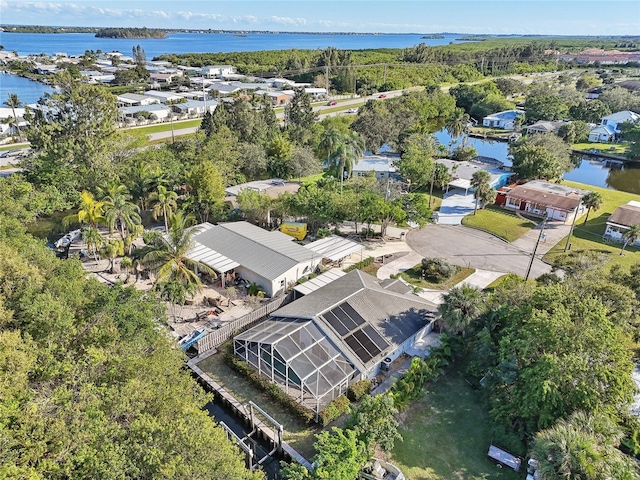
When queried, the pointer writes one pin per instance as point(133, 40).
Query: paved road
point(468, 247)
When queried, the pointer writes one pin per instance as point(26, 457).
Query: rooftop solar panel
point(335, 323)
point(358, 349)
point(348, 309)
point(366, 342)
point(376, 337)
point(344, 318)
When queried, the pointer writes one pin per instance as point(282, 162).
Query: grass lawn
point(296, 433)
point(412, 276)
point(166, 127)
point(447, 433)
point(617, 149)
point(588, 238)
point(500, 222)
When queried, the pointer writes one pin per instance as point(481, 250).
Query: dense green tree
point(23, 201)
point(576, 131)
point(509, 86)
point(461, 307)
point(299, 117)
point(541, 156)
point(416, 163)
point(618, 99)
point(255, 206)
point(467, 96)
point(339, 455)
point(586, 82)
point(374, 422)
point(492, 103)
point(376, 125)
point(303, 162)
point(545, 106)
point(164, 203)
point(590, 111)
point(583, 446)
point(440, 176)
point(206, 194)
point(252, 160)
point(631, 134)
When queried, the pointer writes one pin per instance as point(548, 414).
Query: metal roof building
point(270, 259)
point(315, 347)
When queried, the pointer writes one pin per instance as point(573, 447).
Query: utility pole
point(573, 224)
point(326, 78)
point(384, 75)
point(533, 253)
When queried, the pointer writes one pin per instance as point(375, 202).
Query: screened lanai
point(294, 354)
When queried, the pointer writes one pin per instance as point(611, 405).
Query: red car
point(382, 95)
point(332, 104)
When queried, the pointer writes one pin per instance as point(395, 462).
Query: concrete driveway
point(455, 206)
point(468, 247)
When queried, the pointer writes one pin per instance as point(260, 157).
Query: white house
point(546, 199)
point(611, 125)
point(316, 93)
point(135, 100)
point(217, 70)
point(382, 165)
point(195, 107)
point(270, 259)
point(163, 97)
point(504, 120)
point(158, 111)
point(621, 220)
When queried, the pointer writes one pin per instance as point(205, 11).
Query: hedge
point(263, 383)
point(334, 410)
point(358, 390)
point(360, 265)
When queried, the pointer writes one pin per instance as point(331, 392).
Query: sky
point(545, 17)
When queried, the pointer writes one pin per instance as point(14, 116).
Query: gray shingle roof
point(626, 215)
point(269, 254)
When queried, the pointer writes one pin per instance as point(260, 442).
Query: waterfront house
point(462, 172)
point(346, 330)
point(382, 165)
point(504, 120)
point(621, 220)
point(611, 126)
point(272, 260)
point(212, 71)
point(545, 126)
point(548, 200)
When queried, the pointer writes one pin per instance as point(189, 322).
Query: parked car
point(352, 110)
point(332, 104)
point(382, 95)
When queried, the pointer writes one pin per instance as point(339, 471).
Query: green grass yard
point(412, 276)
point(500, 222)
point(447, 433)
point(588, 238)
point(611, 149)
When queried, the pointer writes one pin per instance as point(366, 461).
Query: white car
point(352, 110)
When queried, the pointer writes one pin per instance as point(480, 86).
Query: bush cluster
point(338, 407)
point(263, 383)
point(358, 390)
point(437, 269)
point(360, 265)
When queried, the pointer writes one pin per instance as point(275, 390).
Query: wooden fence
point(218, 337)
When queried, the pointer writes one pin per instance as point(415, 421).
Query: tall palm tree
point(456, 125)
point(118, 210)
point(13, 101)
point(592, 200)
point(90, 211)
point(351, 150)
point(630, 236)
point(164, 204)
point(94, 240)
point(170, 260)
point(480, 182)
point(329, 142)
point(460, 307)
point(143, 178)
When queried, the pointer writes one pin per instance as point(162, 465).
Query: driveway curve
point(468, 247)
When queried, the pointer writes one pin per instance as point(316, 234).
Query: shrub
point(335, 409)
point(358, 390)
point(437, 269)
point(360, 265)
point(323, 233)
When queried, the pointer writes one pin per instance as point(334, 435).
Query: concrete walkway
point(455, 206)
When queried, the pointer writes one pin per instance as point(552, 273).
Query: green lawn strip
point(166, 127)
point(447, 433)
point(297, 434)
point(617, 149)
point(500, 222)
point(588, 238)
point(412, 275)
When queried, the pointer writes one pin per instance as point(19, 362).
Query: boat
point(68, 239)
point(192, 338)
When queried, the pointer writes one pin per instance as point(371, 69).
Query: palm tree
point(90, 211)
point(170, 260)
point(119, 211)
point(165, 204)
point(329, 142)
point(93, 239)
point(592, 200)
point(13, 101)
point(630, 236)
point(142, 179)
point(480, 182)
point(351, 150)
point(457, 124)
point(460, 307)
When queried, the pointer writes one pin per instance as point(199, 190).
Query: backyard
point(588, 238)
point(500, 222)
point(447, 433)
point(608, 148)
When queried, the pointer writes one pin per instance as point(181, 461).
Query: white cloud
point(286, 20)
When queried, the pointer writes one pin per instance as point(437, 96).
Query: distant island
point(131, 33)
point(432, 36)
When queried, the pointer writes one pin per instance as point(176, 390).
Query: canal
point(624, 177)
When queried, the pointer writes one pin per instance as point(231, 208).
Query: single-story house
point(277, 98)
point(270, 259)
point(382, 165)
point(611, 126)
point(546, 199)
point(195, 107)
point(217, 70)
point(621, 220)
point(46, 69)
point(159, 111)
point(342, 332)
point(462, 172)
point(504, 120)
point(165, 78)
point(544, 126)
point(316, 93)
point(135, 100)
point(164, 97)
point(223, 89)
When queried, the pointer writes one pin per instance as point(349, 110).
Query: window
point(282, 283)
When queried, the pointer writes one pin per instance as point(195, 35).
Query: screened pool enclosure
point(294, 354)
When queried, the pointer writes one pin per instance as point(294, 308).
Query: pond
point(590, 171)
